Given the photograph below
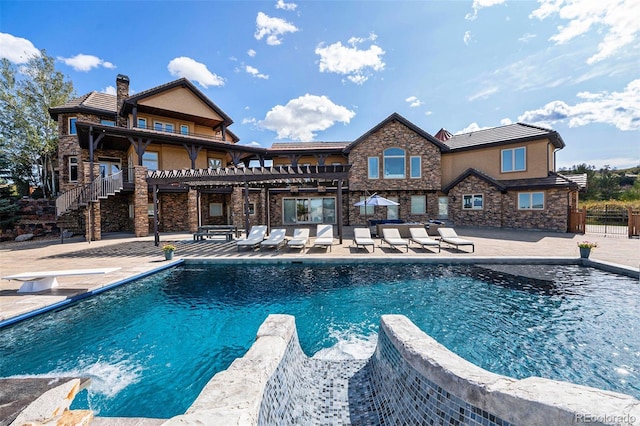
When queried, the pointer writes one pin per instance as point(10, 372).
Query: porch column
point(192, 209)
point(246, 208)
point(339, 207)
point(93, 221)
point(140, 202)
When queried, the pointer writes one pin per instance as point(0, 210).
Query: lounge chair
point(392, 237)
point(449, 236)
point(362, 237)
point(300, 238)
point(420, 236)
point(276, 239)
point(324, 236)
point(255, 237)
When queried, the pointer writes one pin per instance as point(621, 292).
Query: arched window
point(394, 163)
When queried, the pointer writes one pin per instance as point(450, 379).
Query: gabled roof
point(518, 132)
point(92, 102)
point(181, 82)
point(553, 180)
point(478, 174)
point(397, 117)
point(580, 180)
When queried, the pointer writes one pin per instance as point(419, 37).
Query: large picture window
point(472, 202)
point(394, 163)
point(150, 160)
point(514, 160)
point(531, 201)
point(374, 168)
point(309, 210)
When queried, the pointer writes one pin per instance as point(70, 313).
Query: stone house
point(119, 157)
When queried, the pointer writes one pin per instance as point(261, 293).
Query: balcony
point(162, 128)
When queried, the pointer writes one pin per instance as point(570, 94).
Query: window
point(73, 169)
point(252, 209)
point(142, 123)
point(150, 209)
point(109, 166)
point(394, 163)
point(132, 212)
point(392, 211)
point(150, 160)
point(472, 202)
point(513, 160)
point(443, 207)
point(418, 204)
point(309, 210)
point(416, 166)
point(108, 122)
point(214, 163)
point(163, 127)
point(374, 168)
point(184, 129)
point(531, 201)
point(215, 209)
point(370, 209)
point(72, 126)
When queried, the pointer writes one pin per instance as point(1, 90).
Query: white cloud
point(505, 122)
point(285, 6)
point(351, 61)
point(619, 109)
point(251, 53)
point(16, 49)
point(195, 71)
point(467, 37)
point(301, 117)
point(483, 94)
point(616, 19)
point(84, 63)
point(272, 28)
point(479, 4)
point(526, 37)
point(253, 143)
point(427, 113)
point(413, 102)
point(254, 72)
point(249, 120)
point(473, 127)
point(110, 90)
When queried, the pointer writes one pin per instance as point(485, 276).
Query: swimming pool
point(152, 345)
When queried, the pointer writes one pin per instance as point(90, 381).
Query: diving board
point(46, 280)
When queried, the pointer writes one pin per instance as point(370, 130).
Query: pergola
point(246, 176)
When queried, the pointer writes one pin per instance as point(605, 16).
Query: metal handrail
point(90, 192)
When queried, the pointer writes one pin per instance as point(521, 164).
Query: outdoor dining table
point(210, 231)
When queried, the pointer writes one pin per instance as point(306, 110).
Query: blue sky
point(331, 70)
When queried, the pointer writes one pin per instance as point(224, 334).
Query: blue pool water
point(150, 346)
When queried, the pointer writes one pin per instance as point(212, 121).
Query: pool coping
point(458, 260)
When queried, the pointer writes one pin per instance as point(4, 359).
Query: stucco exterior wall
point(188, 103)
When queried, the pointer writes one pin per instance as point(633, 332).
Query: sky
point(331, 70)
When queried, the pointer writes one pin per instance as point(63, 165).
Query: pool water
point(151, 346)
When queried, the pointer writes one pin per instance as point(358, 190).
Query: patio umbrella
point(374, 200)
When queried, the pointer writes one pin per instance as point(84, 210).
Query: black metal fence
point(609, 220)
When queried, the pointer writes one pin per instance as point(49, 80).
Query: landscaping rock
point(24, 237)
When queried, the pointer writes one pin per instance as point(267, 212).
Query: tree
point(28, 135)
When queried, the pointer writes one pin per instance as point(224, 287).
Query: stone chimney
point(122, 93)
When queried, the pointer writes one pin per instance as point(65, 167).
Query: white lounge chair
point(421, 236)
point(362, 237)
point(300, 238)
point(275, 239)
point(449, 236)
point(324, 236)
point(255, 237)
point(392, 237)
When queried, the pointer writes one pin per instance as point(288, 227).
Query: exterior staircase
point(71, 202)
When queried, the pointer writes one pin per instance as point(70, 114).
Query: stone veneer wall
point(205, 200)
point(490, 215)
point(410, 379)
point(173, 212)
point(554, 217)
point(114, 211)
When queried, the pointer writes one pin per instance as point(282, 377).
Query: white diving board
point(46, 280)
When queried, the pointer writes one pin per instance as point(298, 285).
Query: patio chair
point(255, 237)
point(449, 236)
point(421, 236)
point(392, 237)
point(275, 239)
point(300, 238)
point(324, 236)
point(362, 237)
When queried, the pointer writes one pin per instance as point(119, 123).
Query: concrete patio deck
point(136, 256)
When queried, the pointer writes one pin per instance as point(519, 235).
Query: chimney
point(122, 93)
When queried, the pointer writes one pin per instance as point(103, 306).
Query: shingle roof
point(92, 102)
point(554, 180)
point(288, 146)
point(504, 134)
